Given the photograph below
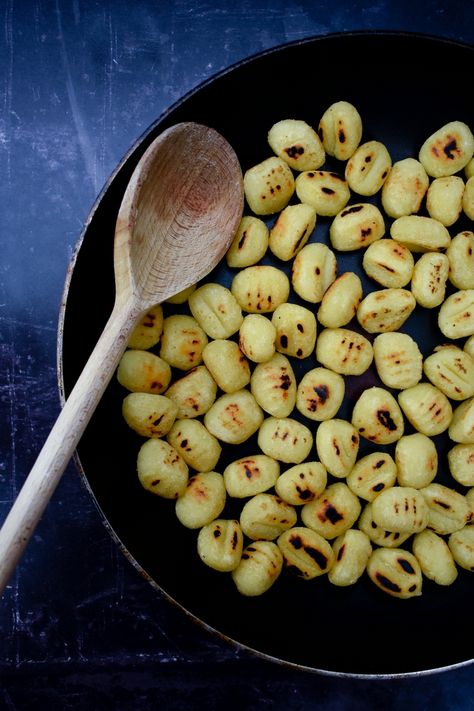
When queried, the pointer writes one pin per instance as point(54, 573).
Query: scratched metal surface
point(80, 81)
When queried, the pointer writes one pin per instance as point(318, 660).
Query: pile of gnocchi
point(262, 365)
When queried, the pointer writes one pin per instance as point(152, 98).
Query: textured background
point(80, 80)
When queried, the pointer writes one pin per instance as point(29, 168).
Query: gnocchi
point(268, 186)
point(216, 310)
point(426, 408)
point(344, 351)
point(285, 439)
point(356, 226)
point(249, 244)
point(389, 263)
point(404, 188)
point(320, 394)
point(305, 552)
point(340, 301)
point(260, 289)
point(460, 254)
point(269, 350)
point(326, 192)
point(313, 271)
point(296, 143)
point(368, 168)
point(292, 230)
point(340, 129)
point(296, 330)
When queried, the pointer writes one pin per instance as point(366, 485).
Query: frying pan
point(405, 86)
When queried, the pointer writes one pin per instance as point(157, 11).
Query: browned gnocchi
point(305, 382)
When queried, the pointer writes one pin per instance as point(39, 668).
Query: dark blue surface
point(80, 81)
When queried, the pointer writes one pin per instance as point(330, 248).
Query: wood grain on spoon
point(178, 216)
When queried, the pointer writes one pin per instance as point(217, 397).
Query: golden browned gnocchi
point(451, 370)
point(147, 332)
point(250, 475)
point(460, 254)
point(313, 271)
point(461, 463)
point(257, 337)
point(416, 458)
point(420, 234)
point(389, 263)
point(461, 429)
point(285, 439)
point(202, 501)
point(220, 544)
point(404, 188)
point(448, 510)
point(368, 168)
point(333, 512)
point(216, 310)
point(428, 284)
point(143, 371)
point(227, 365)
point(182, 341)
point(292, 230)
point(266, 516)
point(400, 509)
point(259, 567)
point(260, 289)
point(426, 408)
point(398, 360)
point(234, 417)
point(295, 330)
point(249, 244)
point(356, 226)
point(337, 445)
point(372, 474)
point(340, 130)
point(377, 416)
point(268, 186)
point(161, 469)
point(320, 394)
point(344, 351)
point(461, 545)
point(396, 572)
point(301, 483)
point(326, 192)
point(448, 150)
point(149, 415)
point(305, 553)
point(352, 551)
point(435, 559)
point(194, 393)
point(444, 199)
point(295, 142)
point(197, 446)
point(340, 301)
point(385, 310)
point(273, 385)
point(245, 339)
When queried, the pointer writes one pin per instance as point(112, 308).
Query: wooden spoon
point(178, 216)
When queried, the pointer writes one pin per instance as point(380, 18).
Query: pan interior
point(404, 87)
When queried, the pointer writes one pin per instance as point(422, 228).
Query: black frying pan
point(405, 87)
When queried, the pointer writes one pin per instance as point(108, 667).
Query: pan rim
point(60, 334)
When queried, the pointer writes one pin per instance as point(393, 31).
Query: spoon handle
point(62, 440)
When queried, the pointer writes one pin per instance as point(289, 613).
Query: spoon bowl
point(177, 218)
